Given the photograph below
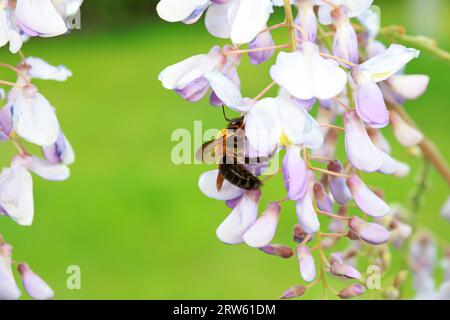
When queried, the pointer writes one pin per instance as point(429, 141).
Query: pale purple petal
point(306, 263)
point(369, 232)
point(263, 40)
point(35, 287)
point(338, 186)
point(323, 201)
point(361, 151)
point(370, 105)
point(8, 286)
point(365, 199)
point(294, 174)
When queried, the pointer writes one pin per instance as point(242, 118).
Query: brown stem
point(428, 148)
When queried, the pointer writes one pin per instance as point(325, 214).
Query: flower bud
point(343, 270)
point(294, 292)
point(306, 263)
point(278, 250)
point(406, 134)
point(195, 90)
point(34, 285)
point(337, 185)
point(323, 201)
point(369, 232)
point(352, 291)
point(263, 40)
point(294, 174)
point(365, 199)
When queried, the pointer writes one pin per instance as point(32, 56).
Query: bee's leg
point(257, 160)
point(220, 180)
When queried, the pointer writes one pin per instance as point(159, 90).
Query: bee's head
point(235, 123)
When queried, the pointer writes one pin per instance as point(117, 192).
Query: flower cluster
point(335, 67)
point(28, 117)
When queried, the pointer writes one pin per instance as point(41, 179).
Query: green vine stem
point(429, 44)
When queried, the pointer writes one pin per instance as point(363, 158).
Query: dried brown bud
point(299, 234)
point(278, 250)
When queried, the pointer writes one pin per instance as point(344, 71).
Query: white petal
point(263, 127)
point(445, 211)
point(39, 69)
point(357, 7)
point(16, 194)
point(307, 75)
point(39, 18)
point(216, 20)
point(409, 86)
point(4, 28)
point(8, 286)
point(389, 165)
point(207, 184)
point(371, 20)
point(175, 10)
point(35, 287)
point(226, 91)
point(306, 213)
point(243, 216)
point(367, 200)
point(43, 168)
point(386, 64)
point(67, 8)
point(403, 169)
point(35, 119)
point(261, 233)
point(181, 74)
point(406, 134)
point(247, 18)
point(298, 126)
point(306, 263)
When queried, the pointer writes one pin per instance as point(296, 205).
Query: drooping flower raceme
point(26, 115)
point(356, 79)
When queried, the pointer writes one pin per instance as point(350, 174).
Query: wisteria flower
point(306, 75)
point(275, 122)
point(306, 20)
point(16, 194)
point(345, 41)
point(37, 68)
point(239, 20)
point(9, 32)
point(34, 119)
point(371, 106)
point(39, 18)
point(35, 287)
point(8, 286)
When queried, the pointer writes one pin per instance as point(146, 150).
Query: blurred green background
point(135, 223)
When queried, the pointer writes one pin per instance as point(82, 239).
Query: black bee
point(227, 151)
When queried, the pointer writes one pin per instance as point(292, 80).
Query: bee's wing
point(210, 152)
